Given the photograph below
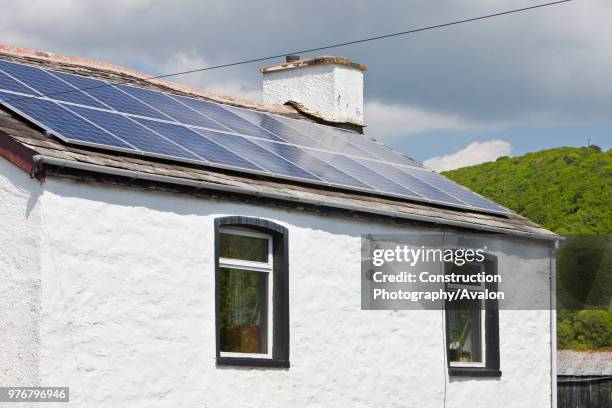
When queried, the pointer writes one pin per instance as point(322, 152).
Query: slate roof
point(16, 134)
point(584, 363)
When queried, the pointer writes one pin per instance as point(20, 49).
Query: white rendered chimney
point(328, 87)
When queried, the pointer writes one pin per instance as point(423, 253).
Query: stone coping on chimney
point(323, 60)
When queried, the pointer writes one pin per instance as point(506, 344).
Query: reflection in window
point(248, 248)
point(243, 305)
point(465, 321)
point(464, 325)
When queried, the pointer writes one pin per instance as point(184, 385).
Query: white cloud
point(386, 122)
point(234, 88)
point(209, 81)
point(475, 153)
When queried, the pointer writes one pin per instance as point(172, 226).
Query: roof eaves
point(36, 143)
point(321, 201)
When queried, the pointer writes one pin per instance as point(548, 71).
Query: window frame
point(277, 267)
point(490, 366)
point(259, 267)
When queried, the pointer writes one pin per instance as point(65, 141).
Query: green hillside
point(567, 190)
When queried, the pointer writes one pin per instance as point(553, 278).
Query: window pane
point(243, 247)
point(243, 310)
point(464, 331)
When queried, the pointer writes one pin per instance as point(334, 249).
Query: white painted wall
point(335, 91)
point(20, 281)
point(128, 312)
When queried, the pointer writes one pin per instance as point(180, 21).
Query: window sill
point(251, 362)
point(473, 372)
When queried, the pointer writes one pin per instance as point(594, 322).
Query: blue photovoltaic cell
point(411, 182)
point(62, 123)
point(256, 154)
point(344, 141)
point(462, 193)
point(276, 127)
point(312, 164)
point(332, 142)
point(198, 144)
point(364, 174)
point(170, 107)
point(111, 96)
point(46, 84)
point(9, 84)
point(131, 132)
point(382, 152)
point(228, 118)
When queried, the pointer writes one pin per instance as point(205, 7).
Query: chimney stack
point(330, 88)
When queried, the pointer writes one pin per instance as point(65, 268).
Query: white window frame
point(261, 267)
point(483, 316)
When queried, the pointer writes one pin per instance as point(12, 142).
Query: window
point(251, 293)
point(465, 322)
point(472, 325)
point(245, 293)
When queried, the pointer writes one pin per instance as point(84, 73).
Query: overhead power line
point(326, 47)
point(380, 37)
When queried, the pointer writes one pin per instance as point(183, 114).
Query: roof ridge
point(76, 61)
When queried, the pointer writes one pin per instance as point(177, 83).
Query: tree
point(569, 191)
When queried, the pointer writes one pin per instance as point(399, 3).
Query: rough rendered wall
point(129, 315)
point(334, 91)
point(20, 284)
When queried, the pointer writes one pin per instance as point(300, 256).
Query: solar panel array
point(91, 112)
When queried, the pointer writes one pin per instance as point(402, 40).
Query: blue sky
point(460, 95)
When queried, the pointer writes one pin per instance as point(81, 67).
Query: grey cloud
point(548, 64)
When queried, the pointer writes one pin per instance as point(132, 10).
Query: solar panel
point(276, 127)
point(425, 190)
point(228, 118)
point(87, 111)
point(332, 143)
point(62, 123)
point(467, 196)
point(366, 175)
point(256, 154)
point(46, 84)
point(310, 163)
point(204, 148)
point(378, 150)
point(9, 84)
point(351, 142)
point(171, 107)
point(132, 133)
point(111, 96)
